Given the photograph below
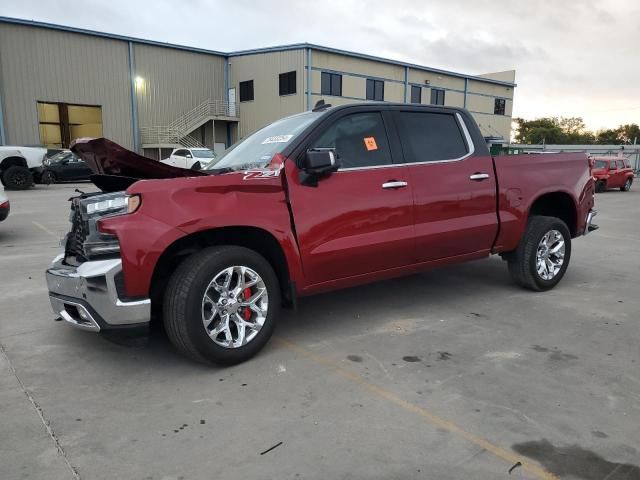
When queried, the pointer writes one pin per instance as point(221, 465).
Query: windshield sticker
point(370, 143)
point(277, 139)
point(261, 174)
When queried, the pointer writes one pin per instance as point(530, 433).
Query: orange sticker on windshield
point(370, 143)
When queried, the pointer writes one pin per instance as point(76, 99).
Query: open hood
point(116, 168)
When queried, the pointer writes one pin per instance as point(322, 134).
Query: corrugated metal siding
point(264, 70)
point(48, 65)
point(174, 82)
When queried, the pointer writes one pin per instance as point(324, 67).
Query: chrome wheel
point(550, 254)
point(235, 306)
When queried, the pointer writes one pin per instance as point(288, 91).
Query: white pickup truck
point(18, 165)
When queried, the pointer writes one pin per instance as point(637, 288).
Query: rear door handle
point(478, 176)
point(394, 184)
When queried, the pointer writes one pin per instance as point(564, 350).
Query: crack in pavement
point(43, 419)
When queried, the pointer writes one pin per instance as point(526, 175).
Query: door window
point(620, 164)
point(360, 140)
point(430, 137)
point(181, 153)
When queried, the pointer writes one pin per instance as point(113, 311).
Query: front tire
point(543, 255)
point(221, 305)
point(17, 177)
point(601, 186)
point(48, 178)
point(627, 185)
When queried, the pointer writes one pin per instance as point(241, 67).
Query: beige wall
point(264, 69)
point(174, 82)
point(53, 66)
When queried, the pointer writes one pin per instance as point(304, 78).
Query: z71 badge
point(260, 174)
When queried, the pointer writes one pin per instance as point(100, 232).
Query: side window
point(499, 106)
point(430, 137)
point(626, 163)
point(180, 153)
point(360, 140)
point(620, 164)
point(375, 90)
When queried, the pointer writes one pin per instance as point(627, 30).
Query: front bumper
point(87, 296)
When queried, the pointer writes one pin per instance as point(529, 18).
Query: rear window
point(430, 137)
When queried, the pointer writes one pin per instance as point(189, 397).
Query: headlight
point(46, 162)
point(122, 204)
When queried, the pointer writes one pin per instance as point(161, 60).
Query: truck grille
point(74, 250)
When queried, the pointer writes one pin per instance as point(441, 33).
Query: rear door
point(357, 220)
point(454, 186)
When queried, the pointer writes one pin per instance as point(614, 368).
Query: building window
point(375, 90)
point(287, 83)
point(499, 106)
point(331, 84)
point(416, 94)
point(437, 96)
point(61, 123)
point(246, 91)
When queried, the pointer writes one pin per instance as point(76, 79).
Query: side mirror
point(320, 159)
point(317, 163)
point(188, 155)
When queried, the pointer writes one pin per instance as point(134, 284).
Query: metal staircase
point(178, 132)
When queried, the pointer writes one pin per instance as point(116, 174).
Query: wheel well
point(11, 162)
point(256, 239)
point(559, 205)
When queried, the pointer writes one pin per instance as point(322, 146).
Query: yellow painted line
point(45, 229)
point(510, 457)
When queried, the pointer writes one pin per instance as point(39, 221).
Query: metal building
point(58, 83)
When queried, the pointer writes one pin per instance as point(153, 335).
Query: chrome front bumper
point(87, 297)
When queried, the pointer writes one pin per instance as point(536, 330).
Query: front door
point(357, 220)
point(454, 186)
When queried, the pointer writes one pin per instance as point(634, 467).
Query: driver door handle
point(394, 184)
point(478, 176)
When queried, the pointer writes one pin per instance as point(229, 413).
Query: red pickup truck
point(327, 199)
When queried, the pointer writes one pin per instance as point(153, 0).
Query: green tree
point(607, 137)
point(537, 131)
point(628, 133)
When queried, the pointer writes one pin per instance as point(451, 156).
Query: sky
point(572, 57)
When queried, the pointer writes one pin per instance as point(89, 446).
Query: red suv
point(611, 172)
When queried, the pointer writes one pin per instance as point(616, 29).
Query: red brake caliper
point(246, 311)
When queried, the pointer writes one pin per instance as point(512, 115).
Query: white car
point(191, 158)
point(18, 164)
point(4, 204)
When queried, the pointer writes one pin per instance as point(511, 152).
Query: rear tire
point(534, 265)
point(627, 185)
point(17, 177)
point(193, 302)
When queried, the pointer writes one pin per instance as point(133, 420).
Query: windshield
point(257, 150)
point(600, 164)
point(58, 157)
point(204, 153)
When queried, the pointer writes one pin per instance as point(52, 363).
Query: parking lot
point(451, 374)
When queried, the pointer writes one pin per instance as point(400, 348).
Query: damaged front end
point(85, 283)
point(115, 168)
